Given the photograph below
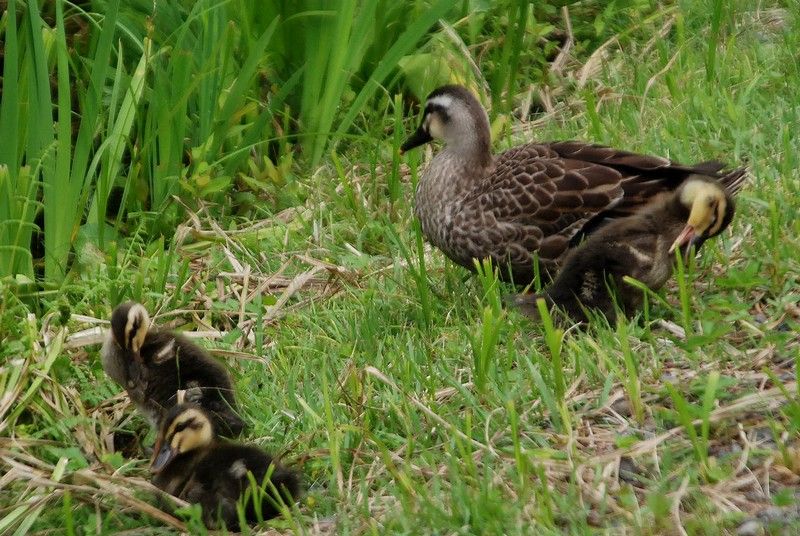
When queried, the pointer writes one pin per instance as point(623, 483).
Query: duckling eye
point(712, 205)
point(186, 424)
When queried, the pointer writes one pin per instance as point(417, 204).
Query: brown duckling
point(193, 464)
point(537, 200)
point(152, 365)
point(640, 246)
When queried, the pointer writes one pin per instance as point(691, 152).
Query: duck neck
point(473, 147)
point(450, 176)
point(456, 170)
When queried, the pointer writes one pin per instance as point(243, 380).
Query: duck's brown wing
point(534, 201)
point(643, 177)
point(543, 199)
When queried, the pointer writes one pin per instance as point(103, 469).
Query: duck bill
point(162, 455)
point(687, 239)
point(420, 137)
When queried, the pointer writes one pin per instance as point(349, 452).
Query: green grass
point(412, 402)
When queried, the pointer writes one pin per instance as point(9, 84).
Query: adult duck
point(534, 200)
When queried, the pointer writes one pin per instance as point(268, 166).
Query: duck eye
point(184, 425)
point(712, 205)
point(437, 109)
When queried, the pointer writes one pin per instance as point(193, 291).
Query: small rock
point(622, 407)
point(750, 528)
point(773, 513)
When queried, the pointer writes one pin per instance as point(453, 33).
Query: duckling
point(640, 246)
point(537, 200)
point(192, 463)
point(152, 365)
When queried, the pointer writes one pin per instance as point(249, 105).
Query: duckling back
point(593, 274)
point(173, 363)
point(221, 477)
point(192, 463)
point(152, 365)
point(639, 246)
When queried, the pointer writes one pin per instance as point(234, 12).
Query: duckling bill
point(534, 202)
point(152, 365)
point(192, 463)
point(641, 246)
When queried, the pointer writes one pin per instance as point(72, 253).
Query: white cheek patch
point(435, 127)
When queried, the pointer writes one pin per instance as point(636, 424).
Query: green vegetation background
point(233, 165)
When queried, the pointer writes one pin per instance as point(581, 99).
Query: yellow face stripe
point(722, 205)
point(136, 327)
point(707, 204)
point(194, 435)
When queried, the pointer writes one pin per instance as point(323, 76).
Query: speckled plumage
point(535, 199)
point(638, 246)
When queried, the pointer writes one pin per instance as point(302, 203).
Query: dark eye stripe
point(137, 322)
point(189, 423)
point(719, 217)
point(438, 108)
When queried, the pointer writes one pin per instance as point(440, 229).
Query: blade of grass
point(631, 377)
point(553, 337)
point(388, 63)
point(684, 294)
point(119, 134)
point(713, 39)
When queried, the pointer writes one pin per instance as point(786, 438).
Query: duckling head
point(711, 210)
point(129, 325)
point(186, 427)
point(453, 114)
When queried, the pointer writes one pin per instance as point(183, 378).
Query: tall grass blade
point(118, 136)
point(388, 63)
point(348, 39)
point(684, 414)
point(553, 337)
point(16, 193)
point(713, 39)
point(40, 143)
point(631, 377)
point(236, 94)
point(684, 294)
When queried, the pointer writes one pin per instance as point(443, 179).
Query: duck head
point(453, 114)
point(184, 428)
point(129, 325)
point(711, 210)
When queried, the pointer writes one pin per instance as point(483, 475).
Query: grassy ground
point(392, 378)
